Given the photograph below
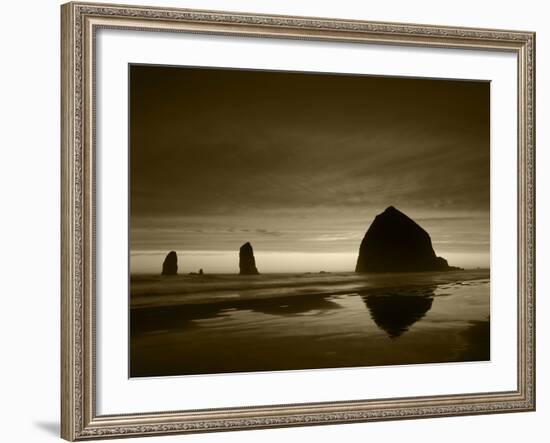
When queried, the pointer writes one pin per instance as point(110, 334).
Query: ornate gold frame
point(79, 420)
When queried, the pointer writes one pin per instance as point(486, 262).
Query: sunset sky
point(299, 164)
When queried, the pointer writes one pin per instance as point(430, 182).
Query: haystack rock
point(395, 243)
point(247, 263)
point(170, 264)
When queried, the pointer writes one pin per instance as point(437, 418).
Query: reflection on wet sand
point(184, 316)
point(418, 319)
point(396, 310)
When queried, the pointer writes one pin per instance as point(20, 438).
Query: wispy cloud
point(295, 162)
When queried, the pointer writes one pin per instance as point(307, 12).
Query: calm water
point(216, 324)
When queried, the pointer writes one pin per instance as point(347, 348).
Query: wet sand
point(193, 324)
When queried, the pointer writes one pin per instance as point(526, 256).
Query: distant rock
point(247, 263)
point(170, 264)
point(201, 272)
point(395, 243)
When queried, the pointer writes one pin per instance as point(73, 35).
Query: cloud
point(267, 232)
point(291, 161)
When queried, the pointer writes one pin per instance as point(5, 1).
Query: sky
point(299, 164)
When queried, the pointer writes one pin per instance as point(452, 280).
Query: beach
point(221, 323)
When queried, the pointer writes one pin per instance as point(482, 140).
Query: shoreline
point(162, 292)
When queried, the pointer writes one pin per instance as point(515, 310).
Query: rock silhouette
point(170, 264)
point(247, 263)
point(395, 243)
point(395, 311)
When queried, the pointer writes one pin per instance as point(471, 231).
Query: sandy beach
point(193, 324)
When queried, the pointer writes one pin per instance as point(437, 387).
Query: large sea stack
point(170, 264)
point(247, 263)
point(395, 243)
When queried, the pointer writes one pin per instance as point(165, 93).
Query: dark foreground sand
point(193, 324)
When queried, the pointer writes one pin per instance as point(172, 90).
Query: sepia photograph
point(304, 220)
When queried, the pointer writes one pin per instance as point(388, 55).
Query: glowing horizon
point(227, 262)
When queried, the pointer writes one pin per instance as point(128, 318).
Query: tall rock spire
point(170, 264)
point(247, 263)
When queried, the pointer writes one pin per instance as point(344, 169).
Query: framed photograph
point(282, 221)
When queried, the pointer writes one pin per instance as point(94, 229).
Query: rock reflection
point(147, 320)
point(396, 310)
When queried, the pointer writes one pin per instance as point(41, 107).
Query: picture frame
point(80, 242)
